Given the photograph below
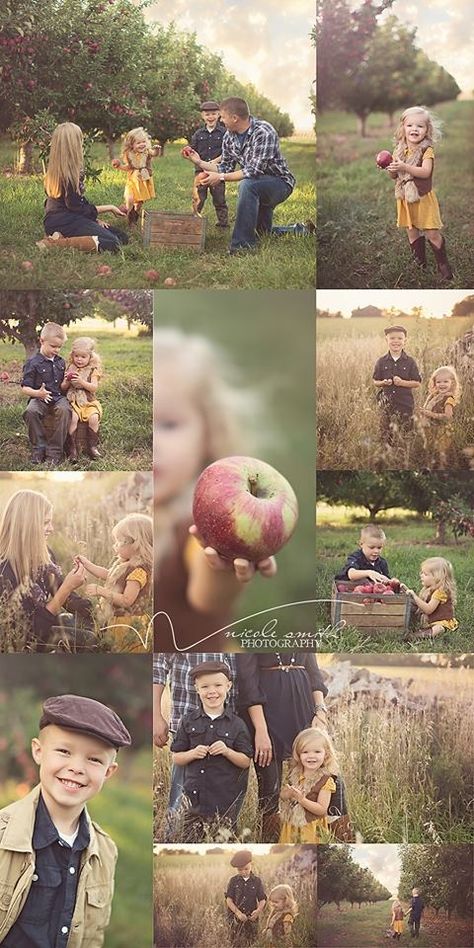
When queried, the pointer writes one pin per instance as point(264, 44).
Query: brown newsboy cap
point(207, 668)
point(395, 329)
point(209, 106)
point(87, 716)
point(241, 859)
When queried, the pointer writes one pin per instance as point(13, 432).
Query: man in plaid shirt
point(173, 668)
point(265, 177)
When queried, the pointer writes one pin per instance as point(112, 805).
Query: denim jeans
point(75, 225)
point(255, 204)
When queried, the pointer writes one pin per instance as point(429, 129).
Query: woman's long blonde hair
point(66, 160)
point(136, 529)
point(86, 342)
point(456, 392)
point(286, 891)
point(310, 737)
point(433, 124)
point(22, 537)
point(443, 577)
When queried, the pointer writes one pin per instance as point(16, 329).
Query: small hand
point(116, 210)
point(254, 915)
point(295, 794)
point(103, 223)
point(201, 751)
point(192, 155)
point(243, 569)
point(44, 394)
point(76, 576)
point(377, 577)
point(241, 917)
point(115, 162)
point(387, 382)
point(397, 166)
point(397, 380)
point(91, 589)
point(218, 747)
point(160, 731)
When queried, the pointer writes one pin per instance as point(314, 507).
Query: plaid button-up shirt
point(175, 668)
point(258, 154)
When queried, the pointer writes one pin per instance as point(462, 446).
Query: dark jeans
point(34, 415)
point(75, 225)
point(218, 200)
point(255, 205)
point(415, 927)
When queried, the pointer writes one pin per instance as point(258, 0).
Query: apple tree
point(134, 305)
point(22, 315)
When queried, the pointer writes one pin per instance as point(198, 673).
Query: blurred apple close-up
point(383, 159)
point(244, 508)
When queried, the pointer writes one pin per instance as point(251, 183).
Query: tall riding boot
point(92, 442)
point(442, 262)
point(87, 244)
point(270, 827)
point(418, 249)
point(73, 453)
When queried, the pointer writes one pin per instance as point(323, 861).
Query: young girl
point(437, 597)
point(70, 220)
point(127, 584)
point(305, 799)
point(283, 911)
point(136, 161)
point(33, 591)
point(80, 384)
point(397, 919)
point(199, 416)
point(417, 204)
point(444, 393)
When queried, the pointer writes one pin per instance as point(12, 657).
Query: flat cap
point(209, 106)
point(241, 859)
point(86, 716)
point(395, 329)
point(207, 668)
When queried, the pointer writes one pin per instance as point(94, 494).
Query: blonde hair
point(130, 139)
point(443, 576)
point(433, 124)
point(66, 160)
point(50, 330)
point(86, 342)
point(372, 530)
point(286, 891)
point(307, 738)
point(22, 538)
point(136, 529)
point(456, 393)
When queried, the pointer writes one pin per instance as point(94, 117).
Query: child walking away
point(80, 384)
point(214, 746)
point(70, 219)
point(397, 920)
point(417, 204)
point(127, 586)
point(416, 911)
point(437, 598)
point(42, 383)
point(245, 899)
point(444, 393)
point(283, 911)
point(306, 797)
point(395, 376)
point(59, 864)
point(207, 142)
point(137, 154)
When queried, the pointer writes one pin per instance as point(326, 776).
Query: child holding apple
point(395, 376)
point(80, 385)
point(207, 142)
point(42, 383)
point(137, 154)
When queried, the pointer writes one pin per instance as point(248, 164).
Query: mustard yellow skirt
point(398, 926)
point(423, 214)
point(139, 190)
point(84, 412)
point(311, 833)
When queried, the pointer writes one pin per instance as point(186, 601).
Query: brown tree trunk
point(25, 159)
point(362, 124)
point(440, 533)
point(111, 147)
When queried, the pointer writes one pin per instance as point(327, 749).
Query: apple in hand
point(186, 151)
point(243, 507)
point(70, 375)
point(383, 159)
point(394, 584)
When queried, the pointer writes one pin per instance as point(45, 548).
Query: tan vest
point(17, 864)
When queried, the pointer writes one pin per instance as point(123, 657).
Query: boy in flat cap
point(214, 746)
point(207, 142)
point(395, 376)
point(245, 899)
point(56, 865)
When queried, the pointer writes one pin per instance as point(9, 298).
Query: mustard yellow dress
point(423, 214)
point(132, 633)
point(450, 624)
point(83, 403)
point(139, 185)
point(311, 832)
point(397, 926)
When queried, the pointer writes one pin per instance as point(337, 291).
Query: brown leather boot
point(73, 453)
point(92, 442)
point(418, 249)
point(442, 261)
point(87, 244)
point(270, 827)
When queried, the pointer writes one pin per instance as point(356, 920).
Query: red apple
point(379, 587)
point(186, 151)
point(69, 375)
point(344, 587)
point(383, 159)
point(360, 590)
point(170, 281)
point(4, 376)
point(395, 585)
point(103, 269)
point(243, 507)
point(388, 592)
point(152, 275)
point(26, 265)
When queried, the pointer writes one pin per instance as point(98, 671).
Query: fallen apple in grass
point(26, 265)
point(152, 275)
point(383, 159)
point(4, 377)
point(103, 269)
point(243, 507)
point(170, 281)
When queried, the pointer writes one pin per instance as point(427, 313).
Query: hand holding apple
point(383, 159)
point(189, 153)
point(243, 569)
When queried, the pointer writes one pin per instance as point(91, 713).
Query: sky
point(266, 43)
point(434, 302)
point(383, 860)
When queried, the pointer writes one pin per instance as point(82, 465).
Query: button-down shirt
point(175, 667)
point(358, 560)
point(257, 154)
point(39, 370)
point(208, 142)
point(45, 920)
point(213, 784)
point(396, 397)
point(245, 893)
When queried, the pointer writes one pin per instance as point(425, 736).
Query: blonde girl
point(304, 801)
point(70, 219)
point(32, 586)
point(444, 393)
point(137, 154)
point(83, 374)
point(412, 168)
point(283, 911)
point(200, 415)
point(126, 591)
point(397, 919)
point(437, 597)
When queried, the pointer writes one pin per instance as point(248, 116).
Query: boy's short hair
point(372, 530)
point(390, 329)
point(236, 106)
point(53, 329)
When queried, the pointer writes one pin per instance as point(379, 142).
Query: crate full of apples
point(370, 606)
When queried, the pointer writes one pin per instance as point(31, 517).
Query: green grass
point(286, 262)
point(410, 541)
point(354, 928)
point(359, 244)
point(126, 395)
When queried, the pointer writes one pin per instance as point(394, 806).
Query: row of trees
point(365, 66)
point(100, 64)
point(464, 307)
point(340, 879)
point(442, 873)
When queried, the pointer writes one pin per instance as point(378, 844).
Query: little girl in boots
point(80, 384)
point(136, 161)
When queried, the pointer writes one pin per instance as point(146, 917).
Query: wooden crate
point(81, 432)
point(180, 231)
point(380, 612)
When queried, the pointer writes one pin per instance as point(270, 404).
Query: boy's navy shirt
point(39, 370)
point(358, 560)
point(395, 397)
point(208, 144)
point(45, 920)
point(417, 906)
point(245, 894)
